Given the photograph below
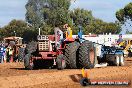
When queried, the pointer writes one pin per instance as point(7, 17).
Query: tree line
point(47, 14)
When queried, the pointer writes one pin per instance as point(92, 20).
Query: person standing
point(120, 39)
point(10, 54)
point(1, 54)
point(5, 57)
point(4, 54)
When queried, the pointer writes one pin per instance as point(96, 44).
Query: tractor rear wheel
point(70, 54)
point(111, 60)
point(28, 63)
point(60, 62)
point(20, 54)
point(86, 55)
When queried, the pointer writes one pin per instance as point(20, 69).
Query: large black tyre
point(70, 55)
point(20, 54)
point(87, 55)
point(30, 50)
point(60, 62)
point(111, 60)
point(99, 60)
point(29, 65)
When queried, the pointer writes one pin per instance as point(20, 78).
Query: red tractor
point(63, 53)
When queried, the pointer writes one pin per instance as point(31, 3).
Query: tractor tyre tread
point(70, 54)
point(84, 55)
point(27, 62)
point(59, 62)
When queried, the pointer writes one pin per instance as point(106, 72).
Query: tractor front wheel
point(60, 62)
point(28, 62)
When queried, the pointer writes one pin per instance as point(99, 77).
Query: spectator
point(15, 53)
point(10, 54)
point(2, 53)
point(7, 55)
point(120, 39)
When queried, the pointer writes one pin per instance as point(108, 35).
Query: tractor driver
point(68, 31)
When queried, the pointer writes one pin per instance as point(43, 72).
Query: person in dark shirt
point(120, 39)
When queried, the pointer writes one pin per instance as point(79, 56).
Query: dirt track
point(13, 75)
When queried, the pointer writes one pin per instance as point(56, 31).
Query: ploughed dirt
point(13, 75)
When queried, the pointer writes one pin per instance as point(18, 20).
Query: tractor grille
point(44, 46)
point(43, 42)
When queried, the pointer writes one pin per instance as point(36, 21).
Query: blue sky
point(103, 9)
point(11, 9)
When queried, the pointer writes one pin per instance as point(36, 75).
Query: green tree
point(17, 28)
point(47, 14)
point(90, 24)
point(99, 27)
point(125, 14)
point(81, 17)
point(50, 13)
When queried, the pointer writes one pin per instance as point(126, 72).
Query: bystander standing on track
point(10, 54)
point(2, 53)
